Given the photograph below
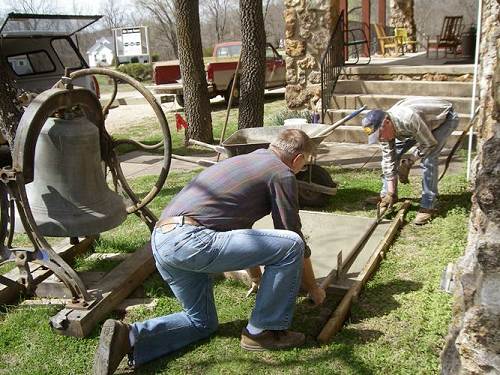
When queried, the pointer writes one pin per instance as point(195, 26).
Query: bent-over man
point(207, 229)
point(422, 121)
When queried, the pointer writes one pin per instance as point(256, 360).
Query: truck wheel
point(320, 176)
point(179, 99)
point(236, 93)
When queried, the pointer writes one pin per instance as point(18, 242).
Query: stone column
point(402, 16)
point(473, 343)
point(308, 24)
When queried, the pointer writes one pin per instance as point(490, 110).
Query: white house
point(101, 53)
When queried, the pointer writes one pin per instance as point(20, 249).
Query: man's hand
point(255, 275)
point(253, 289)
point(317, 295)
point(388, 200)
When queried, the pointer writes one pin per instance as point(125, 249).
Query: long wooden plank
point(115, 287)
point(68, 252)
point(334, 324)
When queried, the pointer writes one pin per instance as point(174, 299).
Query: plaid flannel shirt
point(236, 192)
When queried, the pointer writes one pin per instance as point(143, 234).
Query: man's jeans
point(430, 173)
point(185, 258)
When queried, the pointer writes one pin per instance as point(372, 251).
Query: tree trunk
point(10, 109)
point(196, 101)
point(253, 64)
point(473, 343)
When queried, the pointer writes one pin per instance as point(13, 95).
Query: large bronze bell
point(69, 196)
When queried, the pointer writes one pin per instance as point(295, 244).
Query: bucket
point(295, 121)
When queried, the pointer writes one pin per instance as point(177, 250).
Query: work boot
point(373, 200)
point(404, 170)
point(271, 340)
point(114, 343)
point(424, 215)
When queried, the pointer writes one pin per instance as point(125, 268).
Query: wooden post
point(381, 10)
point(344, 6)
point(365, 19)
point(115, 287)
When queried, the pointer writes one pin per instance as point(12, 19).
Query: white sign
point(131, 39)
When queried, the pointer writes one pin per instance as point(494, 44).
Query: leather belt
point(177, 220)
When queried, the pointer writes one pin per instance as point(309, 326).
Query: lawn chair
point(385, 42)
point(402, 37)
point(450, 36)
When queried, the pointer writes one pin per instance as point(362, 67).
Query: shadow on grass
point(351, 199)
point(445, 203)
point(266, 361)
point(378, 300)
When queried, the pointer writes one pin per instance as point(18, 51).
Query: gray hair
point(291, 142)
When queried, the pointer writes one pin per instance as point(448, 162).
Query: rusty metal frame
point(64, 97)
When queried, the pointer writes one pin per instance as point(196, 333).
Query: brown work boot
point(424, 215)
point(373, 200)
point(114, 343)
point(271, 340)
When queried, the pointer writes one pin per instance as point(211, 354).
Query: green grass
point(397, 326)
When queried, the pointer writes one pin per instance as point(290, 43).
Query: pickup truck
point(220, 70)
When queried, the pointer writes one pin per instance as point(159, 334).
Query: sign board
point(131, 41)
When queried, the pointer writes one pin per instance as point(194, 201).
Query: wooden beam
point(334, 324)
point(115, 287)
point(344, 6)
point(68, 252)
point(365, 19)
point(381, 10)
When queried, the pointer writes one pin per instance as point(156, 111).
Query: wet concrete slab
point(328, 234)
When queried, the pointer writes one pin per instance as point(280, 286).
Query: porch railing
point(332, 62)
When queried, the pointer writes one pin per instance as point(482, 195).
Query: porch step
point(372, 101)
point(381, 69)
point(337, 114)
point(354, 134)
point(405, 88)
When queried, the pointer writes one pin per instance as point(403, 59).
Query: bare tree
point(217, 9)
point(113, 14)
point(162, 13)
point(253, 53)
point(274, 21)
point(197, 104)
point(32, 6)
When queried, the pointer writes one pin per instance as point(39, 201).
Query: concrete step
point(337, 114)
point(405, 88)
point(342, 101)
point(354, 134)
point(379, 69)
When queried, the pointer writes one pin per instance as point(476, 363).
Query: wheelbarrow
point(315, 183)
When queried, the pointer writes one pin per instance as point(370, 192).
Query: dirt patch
point(124, 116)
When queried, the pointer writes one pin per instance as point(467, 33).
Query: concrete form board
point(327, 234)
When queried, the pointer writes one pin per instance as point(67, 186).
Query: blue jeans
point(185, 258)
point(430, 164)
